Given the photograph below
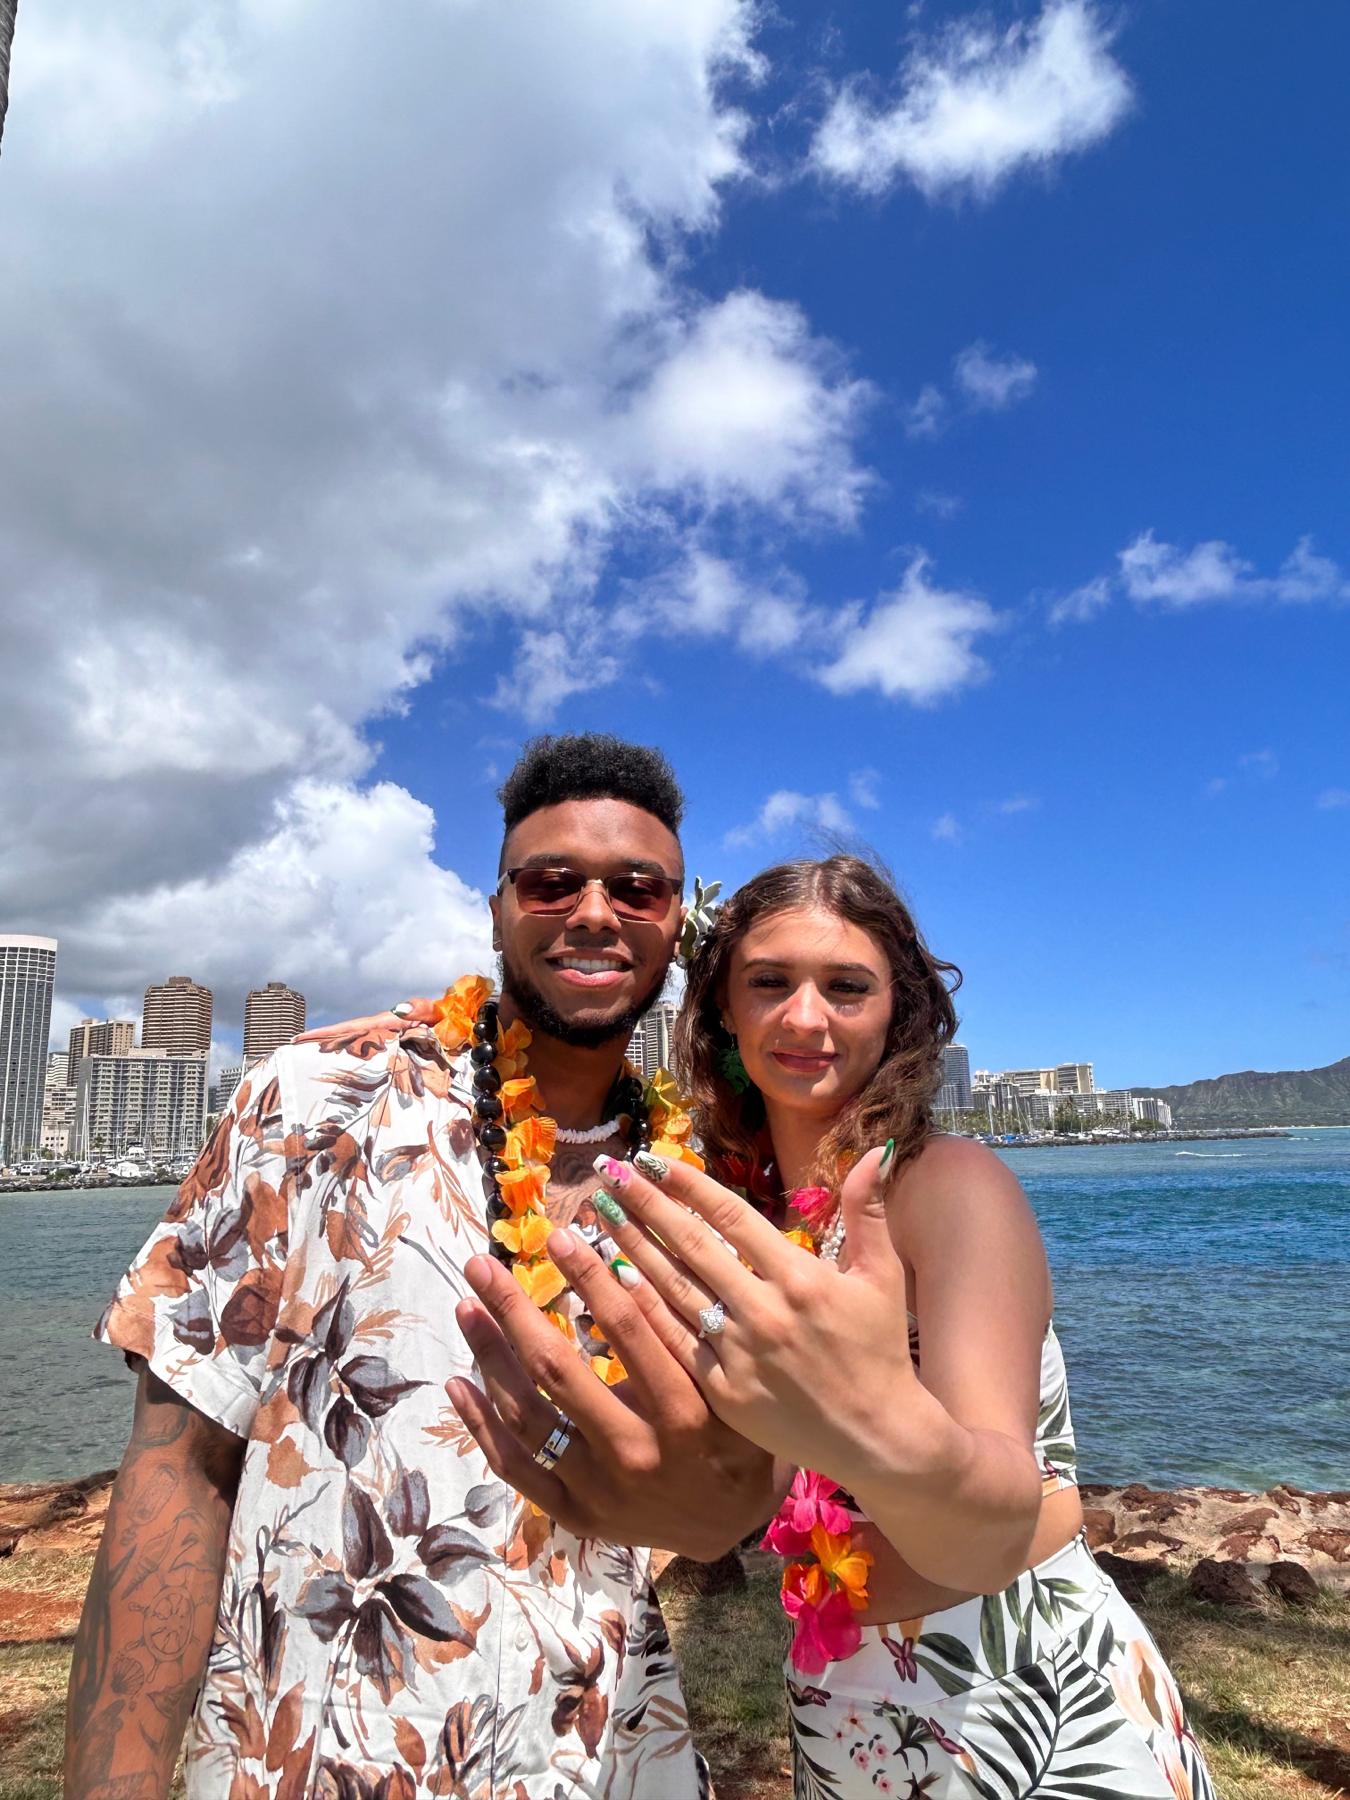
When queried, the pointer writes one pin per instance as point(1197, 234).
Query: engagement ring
point(711, 1319)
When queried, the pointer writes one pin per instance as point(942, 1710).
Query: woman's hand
point(812, 1360)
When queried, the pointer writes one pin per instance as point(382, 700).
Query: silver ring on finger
point(550, 1452)
point(712, 1319)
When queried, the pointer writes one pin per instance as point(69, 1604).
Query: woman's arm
point(952, 1480)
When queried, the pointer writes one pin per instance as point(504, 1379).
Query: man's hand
point(149, 1615)
point(648, 1462)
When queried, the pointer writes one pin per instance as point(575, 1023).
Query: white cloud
point(707, 596)
point(1216, 784)
point(341, 896)
point(1264, 763)
point(1154, 571)
point(975, 107)
point(940, 505)
point(993, 382)
point(319, 345)
point(947, 829)
point(1213, 571)
point(863, 787)
point(786, 811)
point(1083, 603)
point(747, 405)
point(1018, 803)
point(916, 643)
point(927, 417)
point(1333, 798)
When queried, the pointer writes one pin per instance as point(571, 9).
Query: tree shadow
point(1322, 1762)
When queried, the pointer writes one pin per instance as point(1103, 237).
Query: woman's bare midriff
point(896, 1592)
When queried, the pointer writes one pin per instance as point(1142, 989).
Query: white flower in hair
point(698, 919)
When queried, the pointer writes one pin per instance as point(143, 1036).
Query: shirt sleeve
point(199, 1302)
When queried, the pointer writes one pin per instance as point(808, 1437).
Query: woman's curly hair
point(897, 1102)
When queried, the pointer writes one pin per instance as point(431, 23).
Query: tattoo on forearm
point(145, 1632)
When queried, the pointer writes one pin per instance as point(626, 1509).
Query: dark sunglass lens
point(547, 890)
point(639, 896)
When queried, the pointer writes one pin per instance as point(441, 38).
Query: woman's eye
point(766, 981)
point(851, 990)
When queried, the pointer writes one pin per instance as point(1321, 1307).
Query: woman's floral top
point(394, 1621)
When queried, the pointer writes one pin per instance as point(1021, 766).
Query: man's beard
point(531, 1006)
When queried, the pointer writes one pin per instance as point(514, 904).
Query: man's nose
point(592, 911)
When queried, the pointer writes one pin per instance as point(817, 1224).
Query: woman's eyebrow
point(779, 962)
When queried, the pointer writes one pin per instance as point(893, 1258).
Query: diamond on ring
point(550, 1452)
point(711, 1319)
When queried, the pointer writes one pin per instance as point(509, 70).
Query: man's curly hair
point(590, 765)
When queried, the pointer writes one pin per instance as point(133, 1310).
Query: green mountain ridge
point(1260, 1097)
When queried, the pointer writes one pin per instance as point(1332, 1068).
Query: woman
point(952, 1633)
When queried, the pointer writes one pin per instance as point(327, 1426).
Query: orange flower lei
point(528, 1154)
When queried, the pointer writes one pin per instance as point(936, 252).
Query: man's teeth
point(588, 966)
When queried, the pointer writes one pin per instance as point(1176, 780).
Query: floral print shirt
point(394, 1621)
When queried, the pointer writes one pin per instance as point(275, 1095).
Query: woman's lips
point(803, 1062)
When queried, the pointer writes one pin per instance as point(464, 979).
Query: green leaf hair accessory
point(698, 919)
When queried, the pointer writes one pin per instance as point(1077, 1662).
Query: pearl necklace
point(832, 1243)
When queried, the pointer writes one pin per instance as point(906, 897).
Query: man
point(305, 1551)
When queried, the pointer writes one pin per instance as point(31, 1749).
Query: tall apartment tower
point(649, 1046)
point(27, 977)
point(955, 1093)
point(98, 1037)
point(272, 1016)
point(177, 1017)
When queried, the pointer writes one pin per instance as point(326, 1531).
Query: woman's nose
point(805, 1011)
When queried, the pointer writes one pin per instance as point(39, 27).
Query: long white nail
point(626, 1274)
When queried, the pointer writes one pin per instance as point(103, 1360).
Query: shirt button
point(522, 1640)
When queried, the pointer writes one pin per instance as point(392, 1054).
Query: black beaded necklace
point(624, 1099)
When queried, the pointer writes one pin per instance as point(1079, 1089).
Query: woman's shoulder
point(956, 1185)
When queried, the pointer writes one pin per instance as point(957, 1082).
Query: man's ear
point(495, 908)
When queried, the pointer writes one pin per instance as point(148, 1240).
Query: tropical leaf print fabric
point(1051, 1688)
point(394, 1621)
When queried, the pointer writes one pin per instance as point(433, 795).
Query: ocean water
point(1202, 1297)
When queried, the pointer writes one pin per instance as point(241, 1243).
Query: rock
point(1100, 1525)
point(1254, 1519)
point(1147, 1539)
point(1292, 1582)
point(1248, 1546)
point(1331, 1542)
point(683, 1575)
point(1222, 1583)
point(1130, 1574)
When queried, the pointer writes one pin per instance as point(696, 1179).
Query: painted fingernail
point(650, 1166)
point(625, 1273)
point(886, 1154)
point(613, 1170)
point(609, 1209)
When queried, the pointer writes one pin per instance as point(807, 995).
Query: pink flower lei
point(825, 1579)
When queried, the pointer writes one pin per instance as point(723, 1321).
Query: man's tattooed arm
point(150, 1611)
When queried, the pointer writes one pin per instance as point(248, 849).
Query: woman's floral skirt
point(1052, 1687)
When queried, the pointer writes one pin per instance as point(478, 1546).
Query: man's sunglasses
point(631, 895)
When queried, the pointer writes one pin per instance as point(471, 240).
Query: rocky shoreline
point(1229, 1543)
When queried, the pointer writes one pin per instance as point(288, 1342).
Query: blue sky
point(983, 496)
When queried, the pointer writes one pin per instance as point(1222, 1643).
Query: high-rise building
point(177, 1017)
point(99, 1037)
point(224, 1089)
point(272, 1016)
point(27, 977)
point(649, 1046)
point(58, 1106)
point(954, 1095)
point(145, 1101)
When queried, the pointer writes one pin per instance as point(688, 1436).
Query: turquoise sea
point(1203, 1299)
